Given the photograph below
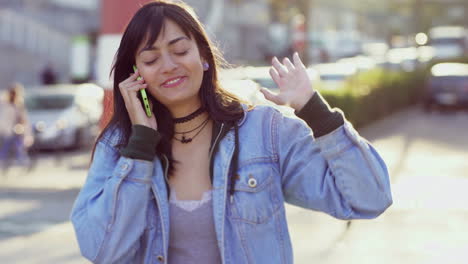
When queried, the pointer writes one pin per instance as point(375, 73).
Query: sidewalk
point(65, 171)
point(56, 245)
point(34, 210)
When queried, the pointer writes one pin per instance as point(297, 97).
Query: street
point(426, 154)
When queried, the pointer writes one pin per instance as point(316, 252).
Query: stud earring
point(206, 66)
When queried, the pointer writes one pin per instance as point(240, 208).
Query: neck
point(192, 123)
point(184, 109)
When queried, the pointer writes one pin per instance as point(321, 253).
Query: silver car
point(64, 116)
point(447, 85)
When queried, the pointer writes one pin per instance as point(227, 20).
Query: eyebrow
point(169, 43)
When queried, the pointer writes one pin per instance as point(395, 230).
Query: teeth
point(173, 81)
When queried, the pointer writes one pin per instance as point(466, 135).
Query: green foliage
point(375, 94)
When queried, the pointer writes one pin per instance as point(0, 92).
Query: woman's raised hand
point(129, 89)
point(295, 86)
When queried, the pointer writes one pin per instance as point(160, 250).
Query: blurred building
point(40, 32)
point(240, 27)
point(69, 34)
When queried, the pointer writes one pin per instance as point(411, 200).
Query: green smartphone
point(144, 97)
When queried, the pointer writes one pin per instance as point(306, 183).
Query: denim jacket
point(122, 216)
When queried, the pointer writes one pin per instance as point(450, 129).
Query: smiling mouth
point(174, 82)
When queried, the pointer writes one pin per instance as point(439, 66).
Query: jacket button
point(252, 182)
point(160, 258)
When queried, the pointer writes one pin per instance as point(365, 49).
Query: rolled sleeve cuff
point(142, 143)
point(319, 116)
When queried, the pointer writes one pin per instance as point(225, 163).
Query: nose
point(168, 64)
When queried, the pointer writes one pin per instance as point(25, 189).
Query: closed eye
point(181, 53)
point(151, 62)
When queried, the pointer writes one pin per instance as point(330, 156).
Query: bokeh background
point(398, 69)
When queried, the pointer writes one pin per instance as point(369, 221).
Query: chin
point(179, 99)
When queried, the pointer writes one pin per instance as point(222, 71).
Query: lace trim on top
point(190, 205)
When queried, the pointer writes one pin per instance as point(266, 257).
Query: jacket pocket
point(254, 199)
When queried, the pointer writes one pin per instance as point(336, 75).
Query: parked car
point(64, 116)
point(447, 85)
point(402, 59)
point(260, 75)
point(334, 76)
point(249, 90)
point(362, 63)
point(448, 41)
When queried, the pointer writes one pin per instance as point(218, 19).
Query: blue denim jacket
point(122, 216)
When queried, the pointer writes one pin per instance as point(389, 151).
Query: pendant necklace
point(185, 139)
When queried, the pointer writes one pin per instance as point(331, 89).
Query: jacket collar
point(227, 127)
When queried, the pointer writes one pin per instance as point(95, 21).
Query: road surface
point(427, 157)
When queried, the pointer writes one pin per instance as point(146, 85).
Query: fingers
point(288, 64)
point(129, 82)
point(275, 75)
point(272, 96)
point(297, 61)
point(130, 87)
point(131, 78)
point(268, 94)
point(280, 68)
point(126, 88)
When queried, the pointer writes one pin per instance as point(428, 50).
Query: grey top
point(192, 232)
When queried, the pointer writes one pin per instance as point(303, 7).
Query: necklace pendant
point(186, 140)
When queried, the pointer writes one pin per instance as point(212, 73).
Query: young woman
point(205, 178)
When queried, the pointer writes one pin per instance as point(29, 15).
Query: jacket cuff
point(142, 143)
point(319, 116)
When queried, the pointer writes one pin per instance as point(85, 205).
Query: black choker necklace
point(189, 117)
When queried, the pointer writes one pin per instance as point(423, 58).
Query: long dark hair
point(147, 24)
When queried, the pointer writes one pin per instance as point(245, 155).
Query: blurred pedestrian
point(16, 127)
point(202, 177)
point(48, 75)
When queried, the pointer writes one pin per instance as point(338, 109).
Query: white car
point(448, 41)
point(64, 116)
point(405, 59)
point(362, 63)
point(249, 90)
point(260, 75)
point(334, 76)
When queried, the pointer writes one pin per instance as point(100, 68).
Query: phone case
point(144, 97)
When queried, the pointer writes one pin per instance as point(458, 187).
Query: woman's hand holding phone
point(129, 89)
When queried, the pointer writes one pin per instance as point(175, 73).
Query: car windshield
point(450, 80)
point(333, 77)
point(48, 102)
point(267, 83)
point(446, 41)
